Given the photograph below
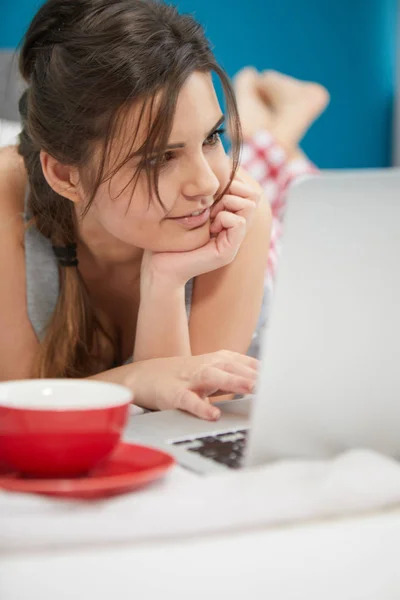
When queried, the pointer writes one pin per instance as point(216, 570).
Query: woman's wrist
point(162, 326)
point(131, 376)
point(153, 284)
point(124, 375)
point(156, 275)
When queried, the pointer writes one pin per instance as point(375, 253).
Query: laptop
point(329, 377)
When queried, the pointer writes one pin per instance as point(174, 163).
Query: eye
point(215, 137)
point(165, 159)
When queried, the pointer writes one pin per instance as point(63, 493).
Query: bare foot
point(254, 112)
point(295, 104)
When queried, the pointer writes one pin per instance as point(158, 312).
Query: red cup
point(60, 427)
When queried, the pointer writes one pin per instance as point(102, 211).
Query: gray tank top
point(42, 280)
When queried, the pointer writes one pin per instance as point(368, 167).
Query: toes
point(321, 92)
point(245, 77)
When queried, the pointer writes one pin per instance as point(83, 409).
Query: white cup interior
point(63, 394)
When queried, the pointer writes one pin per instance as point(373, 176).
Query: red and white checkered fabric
point(268, 163)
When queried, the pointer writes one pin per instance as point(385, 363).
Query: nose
point(200, 179)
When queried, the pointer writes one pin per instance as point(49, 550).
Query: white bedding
point(183, 504)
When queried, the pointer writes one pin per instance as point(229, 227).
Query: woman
point(121, 143)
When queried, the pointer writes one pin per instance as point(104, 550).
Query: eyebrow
point(181, 144)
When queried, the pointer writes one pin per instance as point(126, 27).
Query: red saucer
point(129, 467)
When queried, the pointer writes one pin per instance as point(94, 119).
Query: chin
point(196, 238)
point(187, 240)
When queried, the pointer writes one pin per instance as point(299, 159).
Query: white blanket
point(183, 504)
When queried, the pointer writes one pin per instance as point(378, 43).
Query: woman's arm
point(226, 303)
point(162, 328)
point(18, 342)
point(186, 382)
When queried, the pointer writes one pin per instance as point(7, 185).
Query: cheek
point(174, 238)
point(136, 219)
point(129, 217)
point(221, 165)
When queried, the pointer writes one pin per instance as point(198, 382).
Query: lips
point(193, 221)
point(194, 213)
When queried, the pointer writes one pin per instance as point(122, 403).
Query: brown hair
point(85, 62)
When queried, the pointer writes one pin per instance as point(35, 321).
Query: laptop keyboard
point(224, 448)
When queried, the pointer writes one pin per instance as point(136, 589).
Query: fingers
point(239, 369)
point(227, 220)
point(230, 231)
point(193, 403)
point(229, 356)
point(233, 204)
point(224, 371)
point(213, 378)
point(249, 361)
point(238, 364)
point(245, 190)
point(252, 363)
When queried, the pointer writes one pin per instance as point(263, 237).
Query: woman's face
point(195, 170)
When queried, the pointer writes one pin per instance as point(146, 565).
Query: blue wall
point(348, 45)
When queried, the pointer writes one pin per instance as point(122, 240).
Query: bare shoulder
point(13, 182)
point(18, 342)
point(11, 161)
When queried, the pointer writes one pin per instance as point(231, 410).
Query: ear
point(63, 179)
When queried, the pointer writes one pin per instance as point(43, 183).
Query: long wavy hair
point(85, 62)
